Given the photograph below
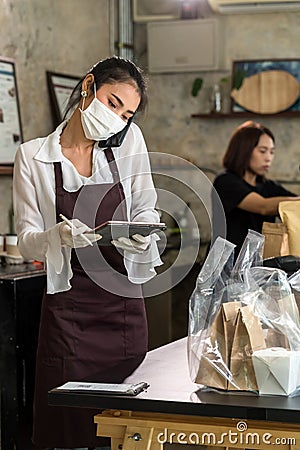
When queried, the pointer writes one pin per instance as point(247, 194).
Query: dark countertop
point(172, 391)
point(20, 271)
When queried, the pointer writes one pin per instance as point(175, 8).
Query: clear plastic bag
point(294, 281)
point(244, 328)
point(273, 301)
point(207, 298)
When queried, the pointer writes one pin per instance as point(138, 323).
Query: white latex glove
point(138, 243)
point(72, 236)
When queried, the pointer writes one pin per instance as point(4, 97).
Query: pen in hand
point(68, 222)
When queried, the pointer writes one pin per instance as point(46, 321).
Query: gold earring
point(83, 94)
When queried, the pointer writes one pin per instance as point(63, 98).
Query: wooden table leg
point(125, 437)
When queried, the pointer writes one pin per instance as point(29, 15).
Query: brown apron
point(86, 333)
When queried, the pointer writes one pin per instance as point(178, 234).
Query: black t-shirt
point(232, 190)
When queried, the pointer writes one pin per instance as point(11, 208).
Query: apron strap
point(58, 188)
point(116, 177)
point(112, 164)
point(58, 175)
point(115, 173)
point(110, 159)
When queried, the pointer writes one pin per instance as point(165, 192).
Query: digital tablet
point(113, 229)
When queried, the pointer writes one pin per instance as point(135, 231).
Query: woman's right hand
point(77, 235)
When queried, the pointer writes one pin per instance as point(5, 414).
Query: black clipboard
point(79, 387)
point(113, 229)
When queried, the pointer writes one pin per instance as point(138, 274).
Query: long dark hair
point(111, 71)
point(241, 145)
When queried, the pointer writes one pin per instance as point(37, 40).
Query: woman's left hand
point(136, 244)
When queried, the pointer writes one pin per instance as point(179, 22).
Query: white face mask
point(98, 121)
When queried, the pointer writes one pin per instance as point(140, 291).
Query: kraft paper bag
point(289, 212)
point(276, 240)
point(214, 363)
point(275, 338)
point(248, 337)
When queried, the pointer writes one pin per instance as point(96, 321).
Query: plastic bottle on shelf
point(216, 99)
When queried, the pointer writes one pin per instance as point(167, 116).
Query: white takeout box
point(277, 370)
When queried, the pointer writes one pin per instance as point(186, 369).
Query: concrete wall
point(169, 126)
point(67, 37)
point(252, 36)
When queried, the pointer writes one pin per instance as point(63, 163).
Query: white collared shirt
point(34, 202)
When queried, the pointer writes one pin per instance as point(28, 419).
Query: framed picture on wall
point(60, 87)
point(10, 120)
point(265, 86)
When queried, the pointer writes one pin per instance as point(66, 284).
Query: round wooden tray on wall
point(267, 92)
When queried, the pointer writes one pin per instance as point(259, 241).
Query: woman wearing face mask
point(94, 167)
point(247, 196)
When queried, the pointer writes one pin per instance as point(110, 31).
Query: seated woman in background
point(247, 196)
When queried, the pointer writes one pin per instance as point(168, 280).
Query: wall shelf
point(238, 115)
